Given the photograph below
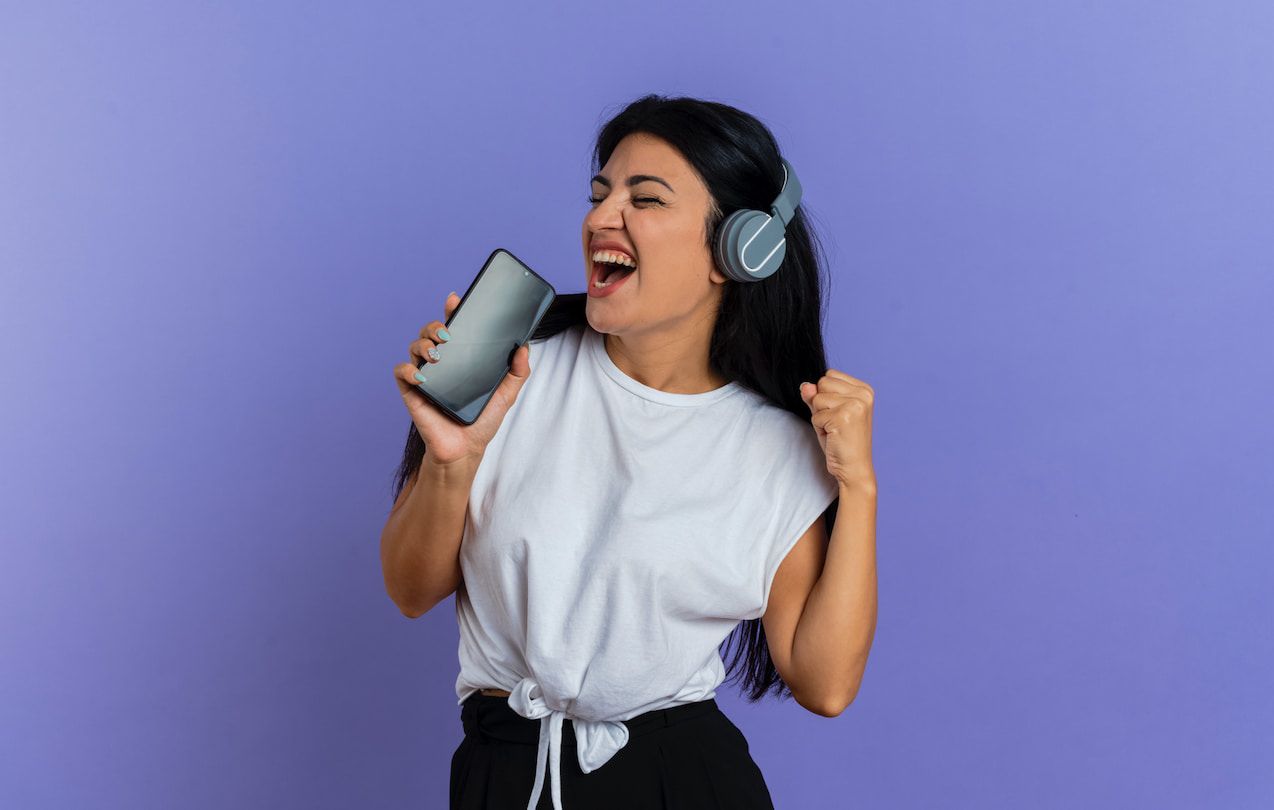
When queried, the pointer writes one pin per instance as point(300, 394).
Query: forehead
point(642, 153)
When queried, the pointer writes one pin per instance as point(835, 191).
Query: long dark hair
point(768, 335)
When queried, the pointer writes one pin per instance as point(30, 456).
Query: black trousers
point(689, 757)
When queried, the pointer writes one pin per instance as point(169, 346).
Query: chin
point(598, 323)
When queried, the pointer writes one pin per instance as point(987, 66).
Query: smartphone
point(498, 313)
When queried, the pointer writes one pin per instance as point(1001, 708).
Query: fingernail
point(420, 377)
point(433, 354)
point(453, 292)
point(444, 334)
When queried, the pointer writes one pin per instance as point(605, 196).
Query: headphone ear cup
point(721, 246)
point(734, 232)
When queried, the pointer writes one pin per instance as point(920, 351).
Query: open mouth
point(610, 266)
point(606, 273)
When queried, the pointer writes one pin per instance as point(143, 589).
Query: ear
point(716, 274)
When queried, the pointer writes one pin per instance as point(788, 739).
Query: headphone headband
point(789, 196)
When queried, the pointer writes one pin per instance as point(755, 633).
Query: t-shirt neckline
point(597, 348)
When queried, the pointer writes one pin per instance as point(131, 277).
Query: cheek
point(679, 263)
point(673, 287)
point(680, 245)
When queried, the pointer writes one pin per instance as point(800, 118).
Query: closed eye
point(596, 200)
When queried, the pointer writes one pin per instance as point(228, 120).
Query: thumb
point(506, 393)
point(807, 394)
point(519, 370)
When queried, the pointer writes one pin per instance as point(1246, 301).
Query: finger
point(521, 363)
point(825, 420)
point(434, 330)
point(825, 400)
point(808, 390)
point(405, 376)
point(822, 400)
point(839, 385)
point(845, 388)
point(449, 306)
point(825, 393)
point(835, 374)
point(424, 351)
point(848, 403)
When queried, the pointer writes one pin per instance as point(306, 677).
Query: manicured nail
point(420, 377)
point(444, 334)
point(433, 354)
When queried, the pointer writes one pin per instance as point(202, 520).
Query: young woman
point(682, 466)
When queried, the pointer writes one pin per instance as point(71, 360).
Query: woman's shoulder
point(773, 428)
point(566, 339)
point(767, 412)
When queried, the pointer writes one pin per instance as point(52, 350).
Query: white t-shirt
point(616, 535)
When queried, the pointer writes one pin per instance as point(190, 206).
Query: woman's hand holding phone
point(446, 440)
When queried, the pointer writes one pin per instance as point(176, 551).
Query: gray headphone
point(750, 244)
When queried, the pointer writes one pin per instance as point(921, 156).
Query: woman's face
point(660, 224)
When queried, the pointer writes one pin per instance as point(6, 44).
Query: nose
point(607, 215)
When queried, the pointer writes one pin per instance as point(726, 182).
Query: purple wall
point(1050, 230)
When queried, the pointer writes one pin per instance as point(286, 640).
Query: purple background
point(1050, 231)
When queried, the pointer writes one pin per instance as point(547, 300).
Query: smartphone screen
point(498, 313)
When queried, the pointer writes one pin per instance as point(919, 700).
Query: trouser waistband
point(493, 717)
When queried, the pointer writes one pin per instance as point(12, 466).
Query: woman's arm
point(420, 544)
point(834, 634)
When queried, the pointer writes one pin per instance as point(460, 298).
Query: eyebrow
point(634, 180)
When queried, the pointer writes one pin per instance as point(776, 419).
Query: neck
point(674, 361)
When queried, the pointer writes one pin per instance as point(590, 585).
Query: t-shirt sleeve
point(797, 492)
